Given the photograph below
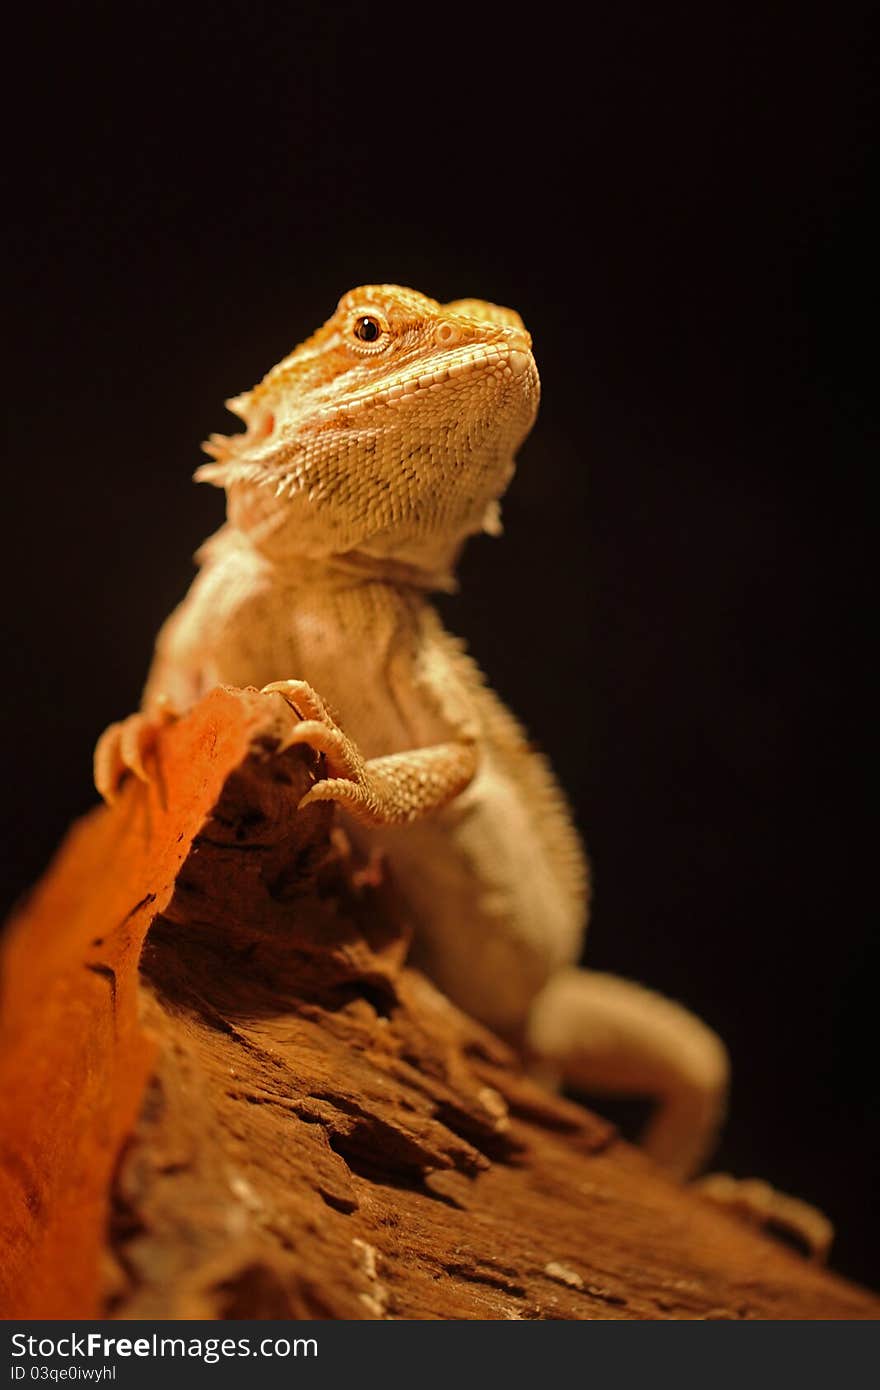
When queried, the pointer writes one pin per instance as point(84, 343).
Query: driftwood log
point(223, 1093)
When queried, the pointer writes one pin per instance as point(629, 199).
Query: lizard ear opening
point(492, 519)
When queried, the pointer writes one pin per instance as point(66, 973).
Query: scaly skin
point(369, 455)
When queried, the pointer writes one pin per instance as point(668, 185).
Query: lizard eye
point(367, 328)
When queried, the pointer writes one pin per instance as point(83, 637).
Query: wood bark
point(224, 1094)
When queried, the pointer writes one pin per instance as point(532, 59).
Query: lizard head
point(389, 434)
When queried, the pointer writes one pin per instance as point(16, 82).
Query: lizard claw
point(352, 794)
point(387, 790)
point(124, 747)
point(134, 744)
point(302, 699)
point(341, 756)
point(347, 777)
point(108, 768)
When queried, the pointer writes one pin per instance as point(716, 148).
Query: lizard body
point(502, 856)
point(369, 456)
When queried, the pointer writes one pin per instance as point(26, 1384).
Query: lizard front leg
point(391, 790)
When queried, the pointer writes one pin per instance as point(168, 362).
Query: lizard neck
point(397, 573)
point(294, 552)
point(302, 569)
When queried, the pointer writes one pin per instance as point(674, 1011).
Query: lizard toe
point(342, 761)
point(108, 768)
point(136, 738)
point(305, 701)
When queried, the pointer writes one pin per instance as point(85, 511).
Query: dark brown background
point(674, 200)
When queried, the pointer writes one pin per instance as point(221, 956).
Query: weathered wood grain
point(224, 1094)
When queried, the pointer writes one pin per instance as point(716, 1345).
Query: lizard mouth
point(498, 359)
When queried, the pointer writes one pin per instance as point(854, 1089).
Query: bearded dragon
point(368, 456)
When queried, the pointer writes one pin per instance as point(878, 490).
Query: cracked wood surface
point(223, 1093)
